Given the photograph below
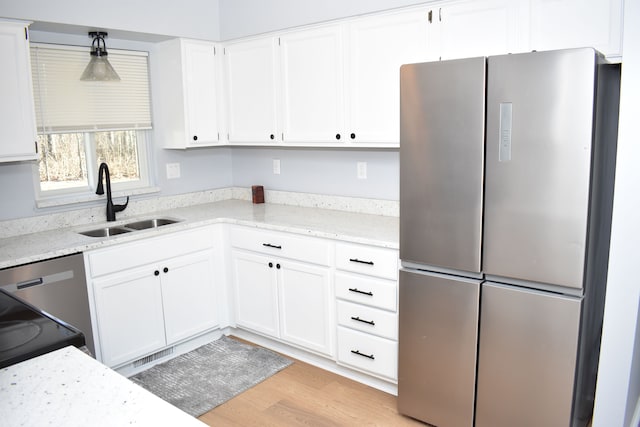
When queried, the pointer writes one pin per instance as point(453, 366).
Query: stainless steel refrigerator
point(506, 183)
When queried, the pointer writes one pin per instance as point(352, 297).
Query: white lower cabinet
point(366, 283)
point(315, 293)
point(168, 297)
point(305, 306)
point(256, 293)
point(283, 287)
point(369, 353)
point(129, 315)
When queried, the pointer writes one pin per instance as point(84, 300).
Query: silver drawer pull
point(368, 322)
point(360, 261)
point(358, 291)
point(368, 356)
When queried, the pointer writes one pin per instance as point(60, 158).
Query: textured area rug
point(208, 376)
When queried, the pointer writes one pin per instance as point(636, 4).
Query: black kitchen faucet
point(111, 208)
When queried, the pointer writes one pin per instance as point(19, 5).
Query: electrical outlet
point(276, 166)
point(362, 170)
point(173, 170)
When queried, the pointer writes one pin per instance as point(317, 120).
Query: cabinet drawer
point(369, 353)
point(148, 250)
point(370, 260)
point(367, 319)
point(367, 290)
point(283, 245)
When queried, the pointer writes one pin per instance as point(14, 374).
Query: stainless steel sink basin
point(150, 223)
point(129, 227)
point(105, 232)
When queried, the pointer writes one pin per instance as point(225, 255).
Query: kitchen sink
point(150, 223)
point(105, 231)
point(129, 227)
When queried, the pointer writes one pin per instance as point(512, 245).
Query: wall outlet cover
point(173, 170)
point(362, 170)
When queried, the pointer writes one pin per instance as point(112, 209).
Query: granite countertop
point(368, 229)
point(68, 388)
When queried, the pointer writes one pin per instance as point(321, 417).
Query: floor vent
point(155, 356)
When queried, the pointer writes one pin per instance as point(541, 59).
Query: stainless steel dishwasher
point(56, 286)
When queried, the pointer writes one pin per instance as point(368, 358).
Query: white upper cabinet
point(338, 84)
point(479, 28)
point(187, 82)
point(312, 85)
point(377, 47)
point(557, 24)
point(17, 119)
point(252, 71)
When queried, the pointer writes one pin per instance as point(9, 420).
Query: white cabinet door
point(377, 47)
point(186, 80)
point(200, 79)
point(129, 315)
point(189, 295)
point(251, 83)
point(305, 308)
point(558, 24)
point(312, 85)
point(256, 292)
point(17, 119)
point(481, 28)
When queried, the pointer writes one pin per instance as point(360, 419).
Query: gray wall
point(321, 171)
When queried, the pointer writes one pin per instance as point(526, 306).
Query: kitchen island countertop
point(353, 227)
point(68, 388)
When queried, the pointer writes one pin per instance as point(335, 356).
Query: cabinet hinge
point(430, 16)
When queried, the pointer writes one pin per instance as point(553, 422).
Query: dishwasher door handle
point(44, 280)
point(30, 283)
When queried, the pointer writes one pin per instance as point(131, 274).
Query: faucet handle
point(120, 208)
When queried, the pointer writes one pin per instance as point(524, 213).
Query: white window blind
point(66, 104)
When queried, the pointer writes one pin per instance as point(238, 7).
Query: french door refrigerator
point(506, 181)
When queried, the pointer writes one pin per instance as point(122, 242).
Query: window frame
point(86, 193)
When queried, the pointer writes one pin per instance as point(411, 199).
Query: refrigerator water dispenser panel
point(506, 112)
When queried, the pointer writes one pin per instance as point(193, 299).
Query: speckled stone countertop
point(369, 229)
point(68, 388)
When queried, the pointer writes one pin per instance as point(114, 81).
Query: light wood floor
point(303, 395)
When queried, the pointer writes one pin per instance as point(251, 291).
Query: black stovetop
point(27, 332)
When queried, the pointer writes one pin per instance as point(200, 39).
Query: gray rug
point(206, 377)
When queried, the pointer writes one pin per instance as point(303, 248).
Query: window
point(84, 123)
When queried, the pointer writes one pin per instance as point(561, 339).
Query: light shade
point(99, 68)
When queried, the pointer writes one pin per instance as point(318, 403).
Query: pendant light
point(99, 68)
